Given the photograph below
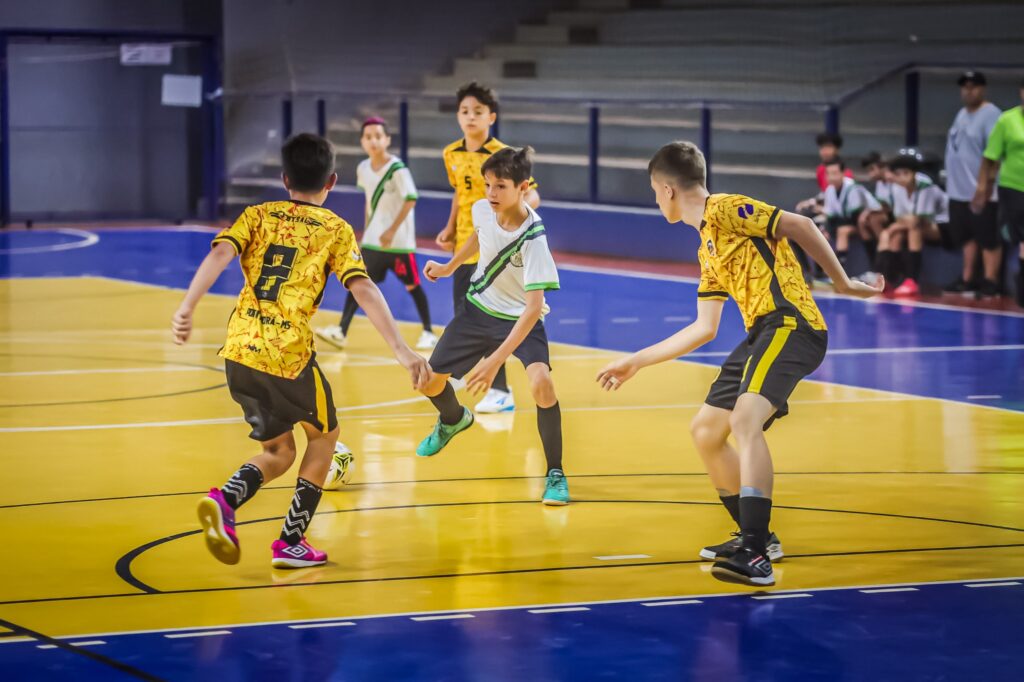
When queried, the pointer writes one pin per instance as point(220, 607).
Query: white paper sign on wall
point(182, 91)
point(146, 54)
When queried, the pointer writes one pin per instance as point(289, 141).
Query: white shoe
point(869, 277)
point(427, 341)
point(496, 401)
point(332, 335)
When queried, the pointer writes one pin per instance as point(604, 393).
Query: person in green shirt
point(1004, 154)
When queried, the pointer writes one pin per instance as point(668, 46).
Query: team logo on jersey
point(746, 211)
point(711, 247)
point(356, 256)
point(517, 258)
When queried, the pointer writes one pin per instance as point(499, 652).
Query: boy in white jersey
point(504, 313)
point(389, 239)
point(848, 209)
point(920, 207)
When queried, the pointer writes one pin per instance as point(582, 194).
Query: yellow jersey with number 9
point(463, 167)
point(287, 250)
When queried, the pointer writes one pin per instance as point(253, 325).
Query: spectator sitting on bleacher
point(879, 178)
point(920, 207)
point(848, 207)
point(829, 145)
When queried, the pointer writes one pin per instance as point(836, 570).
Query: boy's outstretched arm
point(804, 232)
point(688, 339)
point(209, 270)
point(433, 270)
point(372, 302)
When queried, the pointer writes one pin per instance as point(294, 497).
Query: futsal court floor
point(899, 496)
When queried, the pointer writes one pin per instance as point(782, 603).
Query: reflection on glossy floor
point(109, 433)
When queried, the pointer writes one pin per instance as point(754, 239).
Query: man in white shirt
point(968, 230)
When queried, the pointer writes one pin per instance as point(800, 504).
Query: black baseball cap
point(975, 77)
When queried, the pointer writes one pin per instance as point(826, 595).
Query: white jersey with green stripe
point(387, 189)
point(512, 262)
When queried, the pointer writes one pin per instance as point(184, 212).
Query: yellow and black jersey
point(287, 249)
point(740, 256)
point(464, 175)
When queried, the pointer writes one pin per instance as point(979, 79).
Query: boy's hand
point(480, 379)
point(617, 373)
point(181, 325)
point(416, 365)
point(387, 238)
point(859, 289)
point(980, 200)
point(446, 239)
point(434, 271)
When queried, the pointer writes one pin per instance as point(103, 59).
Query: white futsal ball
point(342, 464)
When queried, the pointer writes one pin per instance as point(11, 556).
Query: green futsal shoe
point(556, 489)
point(435, 442)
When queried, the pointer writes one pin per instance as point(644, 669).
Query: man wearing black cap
point(1004, 154)
point(968, 230)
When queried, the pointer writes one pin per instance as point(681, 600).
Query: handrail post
point(403, 127)
point(286, 118)
point(5, 138)
point(912, 90)
point(832, 120)
point(321, 117)
point(593, 153)
point(705, 140)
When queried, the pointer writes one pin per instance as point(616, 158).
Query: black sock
point(549, 423)
point(448, 405)
point(912, 264)
point(419, 297)
point(348, 313)
point(844, 257)
point(871, 246)
point(755, 516)
point(241, 487)
point(1020, 284)
point(732, 505)
point(307, 497)
point(500, 380)
point(887, 265)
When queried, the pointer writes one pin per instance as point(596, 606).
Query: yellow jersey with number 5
point(463, 167)
point(287, 250)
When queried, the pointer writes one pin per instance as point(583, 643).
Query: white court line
point(674, 602)
point(677, 318)
point(1006, 584)
point(764, 597)
point(307, 626)
point(572, 320)
point(984, 397)
point(449, 616)
point(408, 415)
point(887, 590)
point(87, 239)
point(620, 557)
point(625, 320)
point(91, 642)
point(200, 633)
point(111, 370)
point(521, 607)
point(566, 609)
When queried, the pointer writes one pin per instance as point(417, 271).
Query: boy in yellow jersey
point(477, 112)
point(744, 253)
point(287, 251)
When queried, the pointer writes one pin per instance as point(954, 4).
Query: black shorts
point(833, 223)
point(378, 263)
point(474, 334)
point(461, 279)
point(274, 405)
point(777, 354)
point(1011, 214)
point(964, 225)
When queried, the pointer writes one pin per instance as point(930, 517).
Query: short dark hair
point(682, 161)
point(835, 161)
point(905, 162)
point(376, 121)
point(308, 161)
point(481, 93)
point(510, 164)
point(833, 139)
point(871, 159)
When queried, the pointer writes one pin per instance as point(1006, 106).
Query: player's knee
point(435, 386)
point(283, 453)
point(542, 386)
point(745, 423)
point(708, 434)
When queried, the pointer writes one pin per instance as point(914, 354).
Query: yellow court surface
point(109, 434)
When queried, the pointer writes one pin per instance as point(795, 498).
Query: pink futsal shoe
point(301, 555)
point(218, 521)
point(908, 288)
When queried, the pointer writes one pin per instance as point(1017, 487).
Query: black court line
point(106, 358)
point(355, 487)
point(81, 651)
point(119, 400)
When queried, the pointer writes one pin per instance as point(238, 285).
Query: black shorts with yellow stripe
point(779, 351)
point(274, 405)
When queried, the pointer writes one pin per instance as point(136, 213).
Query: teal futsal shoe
point(556, 489)
point(442, 433)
